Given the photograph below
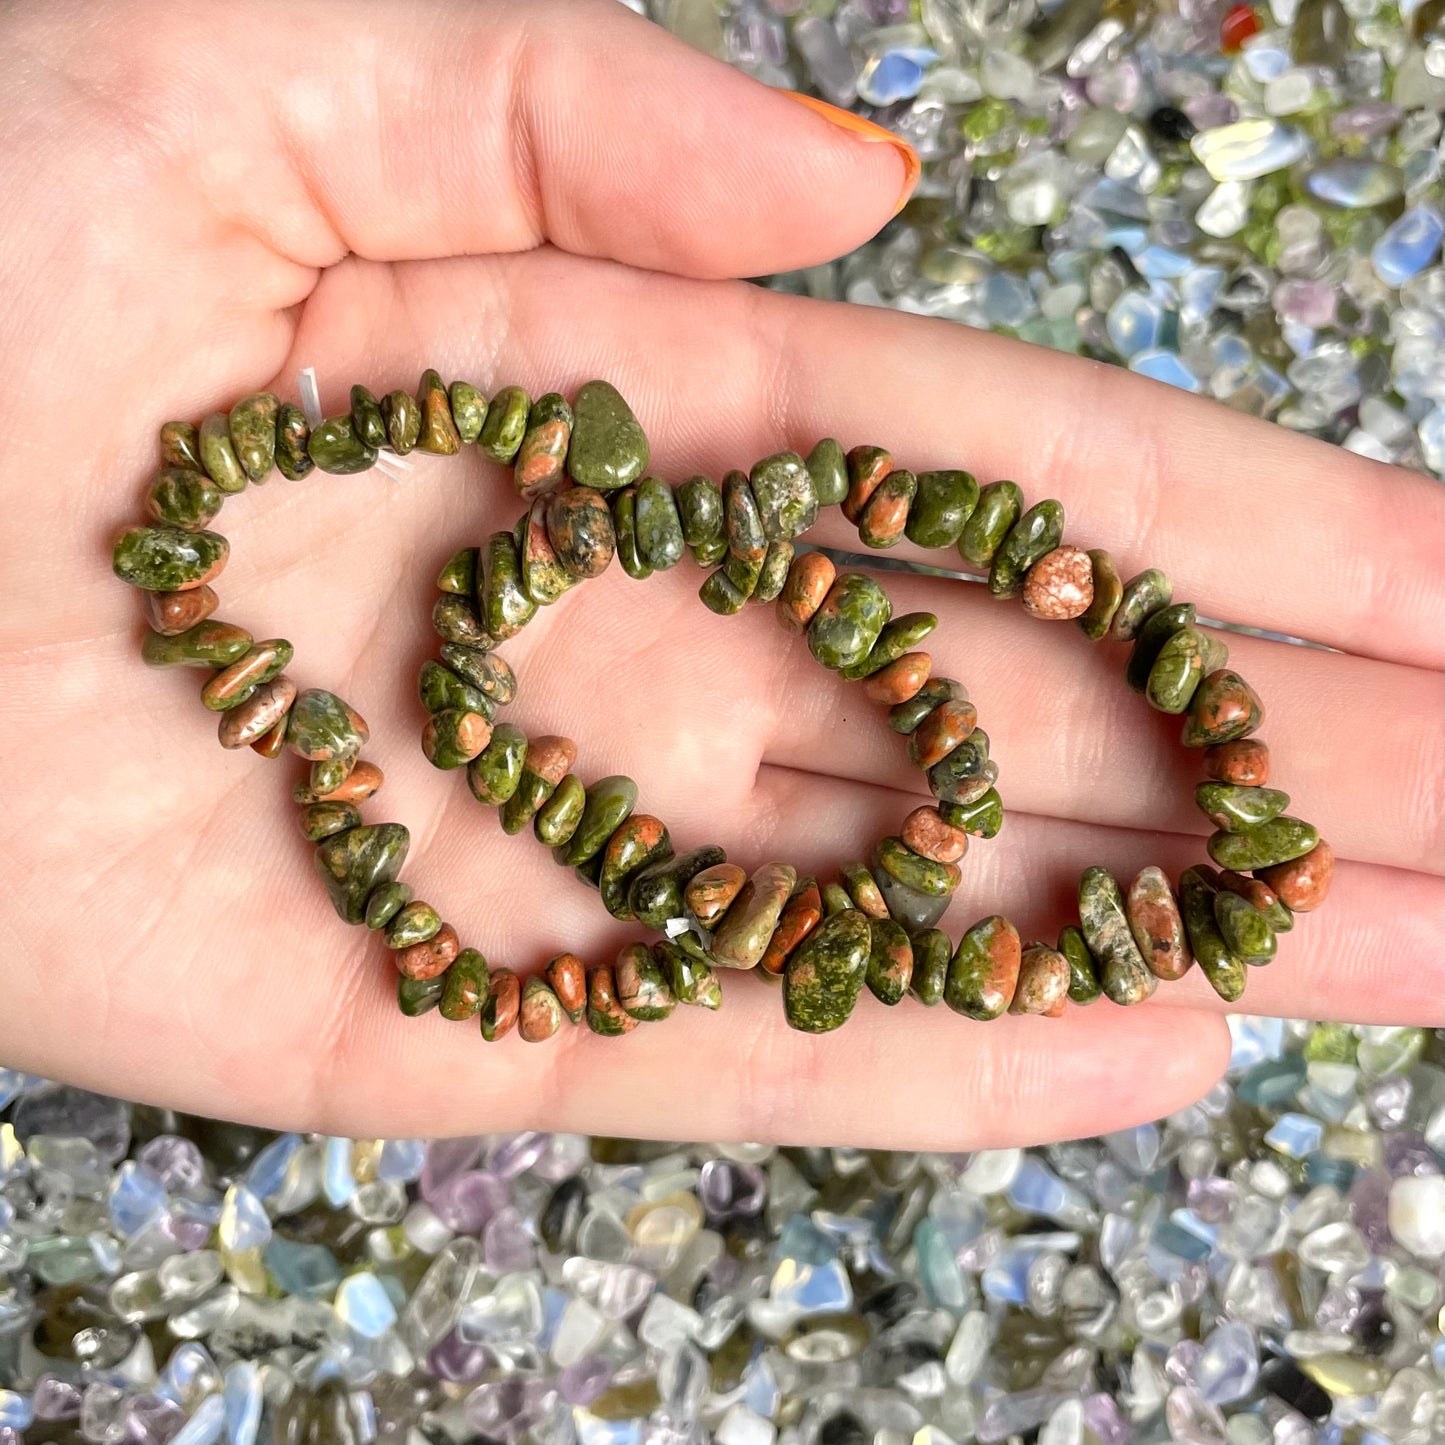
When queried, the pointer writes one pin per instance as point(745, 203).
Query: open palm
point(201, 200)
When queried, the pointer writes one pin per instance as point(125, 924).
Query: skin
point(432, 195)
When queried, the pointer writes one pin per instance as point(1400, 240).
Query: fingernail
point(865, 130)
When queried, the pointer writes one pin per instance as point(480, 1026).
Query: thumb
point(437, 128)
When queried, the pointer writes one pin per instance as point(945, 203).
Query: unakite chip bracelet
point(582, 469)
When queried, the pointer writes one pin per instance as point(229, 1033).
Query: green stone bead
point(952, 779)
point(825, 973)
point(208, 644)
point(323, 778)
point(1275, 913)
point(659, 528)
point(1224, 708)
point(835, 899)
point(984, 970)
point(932, 953)
point(1150, 640)
point(610, 802)
point(180, 446)
point(719, 595)
point(900, 635)
point(1225, 971)
point(890, 961)
point(938, 880)
point(557, 818)
point(321, 820)
point(439, 433)
point(183, 498)
point(1124, 975)
point(168, 559)
point(402, 415)
point(467, 983)
point(414, 923)
point(455, 620)
point(452, 737)
point(742, 522)
point(692, 980)
point(709, 554)
point(1236, 809)
point(506, 609)
point(218, 456)
point(655, 891)
point(335, 448)
point(846, 626)
point(862, 888)
point(699, 506)
point(367, 423)
point(506, 424)
point(885, 517)
point(1278, 841)
point(773, 573)
point(624, 524)
point(941, 508)
point(910, 907)
point(261, 663)
point(384, 902)
point(293, 436)
point(579, 527)
point(495, 773)
point(642, 987)
point(487, 672)
point(1083, 972)
point(469, 410)
point(1246, 931)
point(1150, 592)
point(416, 996)
point(1034, 535)
point(783, 490)
point(1108, 593)
point(999, 505)
point(531, 792)
point(982, 818)
point(1177, 671)
point(321, 725)
point(541, 460)
point(354, 862)
point(459, 575)
point(252, 428)
point(828, 471)
point(609, 449)
point(630, 849)
point(904, 717)
point(744, 573)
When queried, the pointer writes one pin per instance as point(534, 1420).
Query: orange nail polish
point(865, 130)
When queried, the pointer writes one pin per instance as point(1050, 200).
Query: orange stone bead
point(801, 915)
point(808, 582)
point(1244, 761)
point(900, 680)
point(710, 894)
point(362, 781)
point(930, 836)
point(171, 613)
point(431, 957)
point(1303, 883)
point(1060, 585)
point(568, 976)
point(948, 725)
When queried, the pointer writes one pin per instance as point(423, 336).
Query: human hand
point(202, 200)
